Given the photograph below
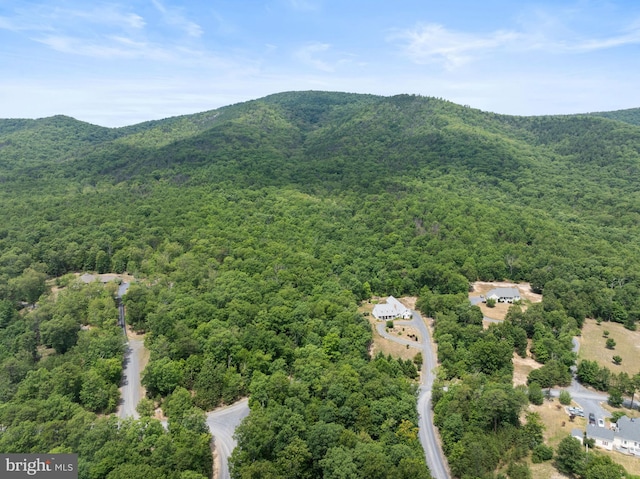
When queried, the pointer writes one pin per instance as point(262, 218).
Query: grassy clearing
point(385, 345)
point(521, 369)
point(592, 346)
point(545, 470)
point(556, 421)
point(481, 288)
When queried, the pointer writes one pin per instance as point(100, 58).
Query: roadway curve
point(427, 431)
point(222, 423)
point(588, 399)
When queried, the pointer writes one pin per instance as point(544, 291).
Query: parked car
point(575, 411)
point(592, 418)
point(600, 422)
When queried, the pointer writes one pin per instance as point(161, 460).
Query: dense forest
point(253, 231)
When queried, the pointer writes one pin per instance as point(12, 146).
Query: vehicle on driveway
point(575, 411)
point(592, 418)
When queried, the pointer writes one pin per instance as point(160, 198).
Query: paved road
point(588, 399)
point(131, 389)
point(427, 431)
point(222, 424)
point(491, 320)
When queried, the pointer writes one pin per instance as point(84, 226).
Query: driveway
point(131, 389)
point(588, 399)
point(428, 437)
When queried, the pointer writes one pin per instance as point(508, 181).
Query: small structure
point(87, 278)
point(391, 310)
point(102, 278)
point(578, 434)
point(504, 295)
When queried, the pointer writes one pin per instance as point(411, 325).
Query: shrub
point(390, 324)
point(615, 397)
point(541, 453)
point(615, 415)
point(605, 333)
point(491, 303)
point(611, 344)
point(617, 359)
point(535, 394)
point(565, 398)
point(518, 470)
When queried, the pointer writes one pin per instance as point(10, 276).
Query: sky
point(118, 63)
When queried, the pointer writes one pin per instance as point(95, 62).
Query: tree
point(533, 430)
point(29, 286)
point(60, 333)
point(96, 394)
point(146, 407)
point(602, 467)
point(570, 457)
point(617, 359)
point(417, 360)
point(611, 344)
point(162, 376)
point(565, 397)
point(535, 394)
point(139, 471)
point(541, 453)
point(518, 470)
point(615, 397)
point(501, 404)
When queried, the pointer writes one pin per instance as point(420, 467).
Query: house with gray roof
point(627, 435)
point(504, 295)
point(391, 310)
point(602, 436)
point(622, 437)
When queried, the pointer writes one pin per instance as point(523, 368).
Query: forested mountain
point(254, 230)
point(632, 115)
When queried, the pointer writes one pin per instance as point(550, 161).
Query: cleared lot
point(592, 346)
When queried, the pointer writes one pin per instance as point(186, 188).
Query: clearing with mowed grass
point(593, 346)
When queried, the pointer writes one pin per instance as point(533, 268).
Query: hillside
point(256, 229)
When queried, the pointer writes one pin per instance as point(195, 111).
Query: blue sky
point(117, 63)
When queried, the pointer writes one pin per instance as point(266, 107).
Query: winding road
point(222, 422)
point(427, 431)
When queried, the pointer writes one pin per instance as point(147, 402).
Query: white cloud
point(434, 43)
point(174, 17)
point(309, 56)
point(630, 38)
point(103, 15)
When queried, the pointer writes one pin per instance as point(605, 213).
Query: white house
point(603, 437)
point(504, 295)
point(623, 437)
point(627, 435)
point(391, 310)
